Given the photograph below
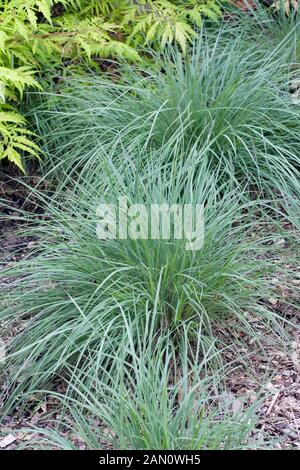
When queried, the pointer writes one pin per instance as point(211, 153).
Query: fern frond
point(13, 138)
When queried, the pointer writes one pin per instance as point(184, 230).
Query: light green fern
point(163, 22)
point(14, 137)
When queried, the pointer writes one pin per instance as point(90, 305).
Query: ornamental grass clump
point(72, 293)
point(234, 107)
point(161, 396)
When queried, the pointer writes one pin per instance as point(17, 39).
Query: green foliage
point(274, 28)
point(233, 107)
point(164, 21)
point(135, 328)
point(160, 396)
point(78, 290)
point(38, 34)
point(14, 137)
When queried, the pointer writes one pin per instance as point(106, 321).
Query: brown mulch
point(13, 201)
point(273, 372)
